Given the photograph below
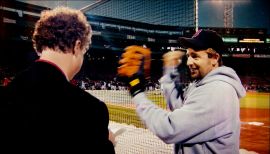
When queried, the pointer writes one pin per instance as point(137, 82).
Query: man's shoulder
point(85, 97)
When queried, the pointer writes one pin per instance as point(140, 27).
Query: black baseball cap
point(202, 40)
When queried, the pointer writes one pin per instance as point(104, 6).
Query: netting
point(159, 12)
point(136, 139)
point(139, 141)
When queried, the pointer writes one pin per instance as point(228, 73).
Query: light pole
point(196, 16)
point(228, 14)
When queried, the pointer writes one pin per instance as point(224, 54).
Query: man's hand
point(173, 58)
point(171, 62)
point(135, 68)
point(112, 137)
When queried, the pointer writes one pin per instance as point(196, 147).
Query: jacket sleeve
point(206, 115)
point(171, 88)
point(101, 133)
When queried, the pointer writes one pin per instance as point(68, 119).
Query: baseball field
point(255, 118)
point(254, 115)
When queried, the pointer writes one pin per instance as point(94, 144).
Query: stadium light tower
point(228, 14)
point(196, 16)
point(228, 10)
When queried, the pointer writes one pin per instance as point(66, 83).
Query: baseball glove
point(135, 67)
point(135, 59)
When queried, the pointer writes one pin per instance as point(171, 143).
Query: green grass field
point(124, 115)
point(128, 115)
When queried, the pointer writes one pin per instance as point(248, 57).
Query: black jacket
point(42, 111)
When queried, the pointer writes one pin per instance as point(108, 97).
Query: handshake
point(135, 63)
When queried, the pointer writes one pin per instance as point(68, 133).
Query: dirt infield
point(255, 136)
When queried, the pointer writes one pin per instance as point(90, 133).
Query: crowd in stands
point(252, 83)
point(88, 84)
point(256, 83)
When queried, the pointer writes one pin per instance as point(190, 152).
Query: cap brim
point(191, 43)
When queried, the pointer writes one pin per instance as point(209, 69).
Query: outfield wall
point(256, 100)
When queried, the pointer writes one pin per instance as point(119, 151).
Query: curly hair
point(60, 28)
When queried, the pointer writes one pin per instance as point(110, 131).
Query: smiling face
point(201, 62)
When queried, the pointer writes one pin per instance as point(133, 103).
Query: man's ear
point(215, 58)
point(77, 47)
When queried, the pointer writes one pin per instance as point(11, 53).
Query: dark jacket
point(43, 111)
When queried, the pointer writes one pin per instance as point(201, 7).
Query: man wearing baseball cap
point(204, 117)
point(208, 115)
point(212, 99)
